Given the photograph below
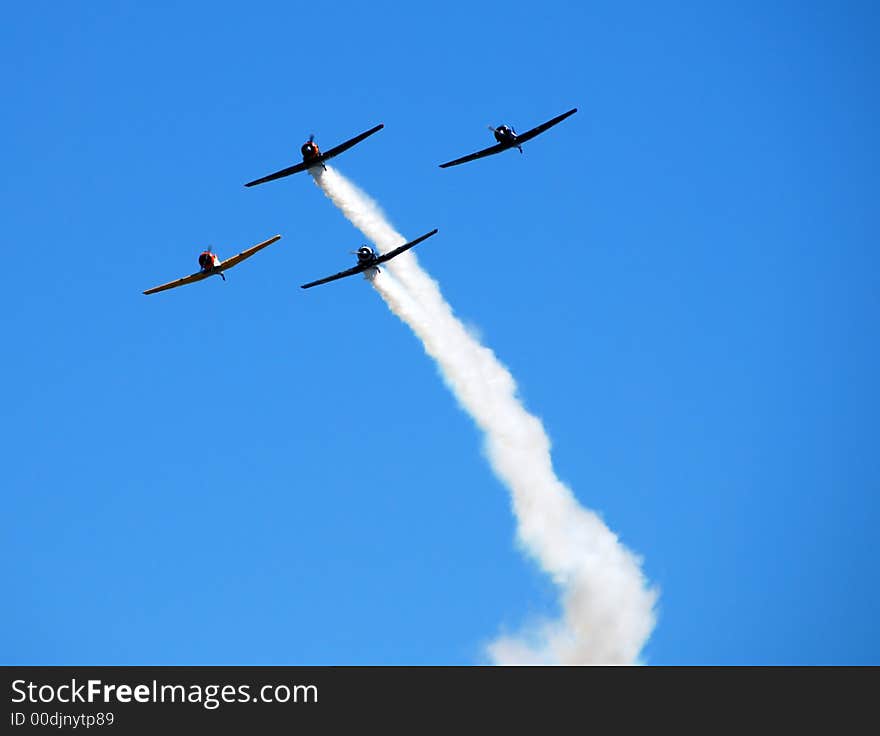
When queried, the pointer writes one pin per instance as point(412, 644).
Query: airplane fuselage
point(210, 263)
point(310, 150)
point(208, 260)
point(367, 257)
point(504, 134)
point(311, 153)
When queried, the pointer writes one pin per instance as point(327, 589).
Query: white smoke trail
point(607, 608)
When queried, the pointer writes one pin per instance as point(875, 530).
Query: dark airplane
point(369, 260)
point(508, 138)
point(312, 156)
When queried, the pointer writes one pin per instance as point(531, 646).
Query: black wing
point(341, 275)
point(284, 172)
point(406, 246)
point(497, 148)
point(353, 142)
point(529, 134)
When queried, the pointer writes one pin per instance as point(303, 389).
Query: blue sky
point(682, 278)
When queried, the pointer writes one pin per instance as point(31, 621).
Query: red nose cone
point(310, 150)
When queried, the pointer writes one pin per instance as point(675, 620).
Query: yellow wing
point(180, 282)
point(235, 260)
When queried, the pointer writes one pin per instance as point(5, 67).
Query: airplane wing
point(529, 134)
point(235, 260)
point(341, 275)
point(279, 174)
point(497, 148)
point(353, 142)
point(406, 246)
point(198, 276)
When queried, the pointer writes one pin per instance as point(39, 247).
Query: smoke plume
point(607, 610)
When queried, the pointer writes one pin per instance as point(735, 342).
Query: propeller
point(492, 128)
point(312, 138)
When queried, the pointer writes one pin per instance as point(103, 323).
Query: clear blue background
point(683, 278)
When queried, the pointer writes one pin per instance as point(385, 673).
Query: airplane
point(507, 137)
point(312, 156)
point(211, 265)
point(369, 260)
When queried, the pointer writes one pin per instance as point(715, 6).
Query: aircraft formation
point(368, 260)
